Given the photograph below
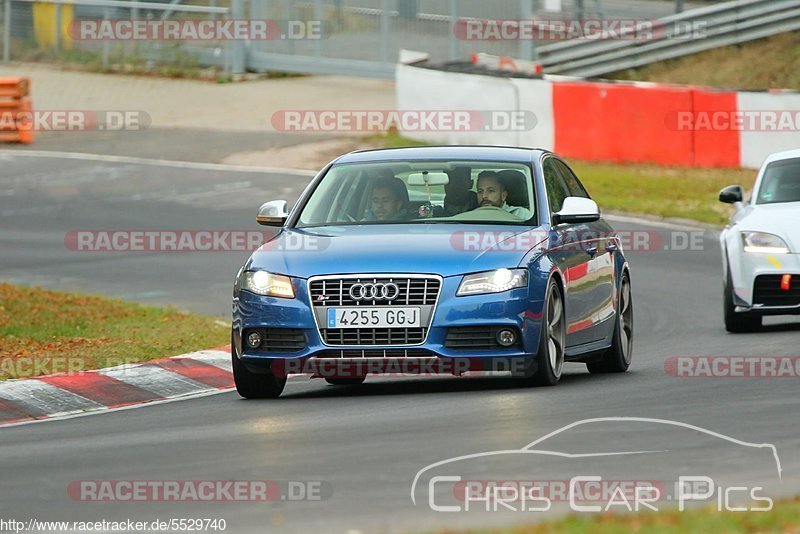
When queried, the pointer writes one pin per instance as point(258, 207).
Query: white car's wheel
point(737, 323)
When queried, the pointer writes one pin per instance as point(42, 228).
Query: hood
point(443, 249)
point(779, 219)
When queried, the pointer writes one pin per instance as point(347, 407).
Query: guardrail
point(678, 35)
point(14, 101)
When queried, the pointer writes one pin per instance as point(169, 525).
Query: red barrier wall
point(720, 148)
point(638, 124)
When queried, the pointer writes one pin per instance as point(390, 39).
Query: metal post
point(527, 47)
point(318, 16)
point(239, 51)
point(580, 10)
point(292, 16)
point(678, 6)
point(385, 14)
point(106, 42)
point(57, 46)
point(7, 32)
point(454, 44)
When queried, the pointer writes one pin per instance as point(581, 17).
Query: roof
point(473, 152)
point(780, 156)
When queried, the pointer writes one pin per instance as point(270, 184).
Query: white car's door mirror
point(732, 194)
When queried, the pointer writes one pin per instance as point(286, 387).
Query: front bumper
point(752, 266)
point(515, 309)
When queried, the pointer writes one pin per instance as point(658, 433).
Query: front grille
point(375, 353)
point(418, 291)
point(768, 292)
point(476, 338)
point(336, 292)
point(279, 339)
point(373, 336)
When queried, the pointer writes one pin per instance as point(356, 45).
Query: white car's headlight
point(763, 243)
point(493, 282)
point(267, 284)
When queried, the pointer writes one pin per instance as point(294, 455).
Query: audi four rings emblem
point(388, 291)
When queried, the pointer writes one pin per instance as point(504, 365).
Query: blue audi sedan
point(455, 260)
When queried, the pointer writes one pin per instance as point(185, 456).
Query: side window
point(557, 189)
point(574, 185)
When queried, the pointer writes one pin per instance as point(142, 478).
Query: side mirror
point(577, 210)
point(732, 194)
point(273, 213)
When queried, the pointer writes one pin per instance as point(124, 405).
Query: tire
point(549, 361)
point(617, 359)
point(346, 381)
point(737, 323)
point(255, 385)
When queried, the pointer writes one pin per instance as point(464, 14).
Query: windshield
point(417, 192)
point(781, 183)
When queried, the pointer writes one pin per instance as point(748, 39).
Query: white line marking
point(158, 162)
point(658, 224)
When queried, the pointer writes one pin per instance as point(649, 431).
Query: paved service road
point(366, 443)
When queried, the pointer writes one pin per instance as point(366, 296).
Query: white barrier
point(757, 145)
point(428, 89)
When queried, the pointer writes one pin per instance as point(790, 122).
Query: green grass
point(40, 330)
point(392, 139)
point(784, 517)
point(772, 63)
point(661, 191)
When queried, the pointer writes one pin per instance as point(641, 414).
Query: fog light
point(254, 340)
point(786, 282)
point(506, 338)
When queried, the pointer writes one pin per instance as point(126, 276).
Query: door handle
point(612, 247)
point(592, 251)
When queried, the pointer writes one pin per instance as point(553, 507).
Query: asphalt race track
point(363, 444)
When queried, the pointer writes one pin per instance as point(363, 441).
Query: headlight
point(268, 284)
point(493, 282)
point(762, 243)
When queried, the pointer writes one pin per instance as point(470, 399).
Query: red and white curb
point(68, 395)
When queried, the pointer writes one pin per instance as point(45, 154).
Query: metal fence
point(359, 37)
point(687, 33)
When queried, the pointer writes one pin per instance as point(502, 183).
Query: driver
point(492, 192)
point(389, 201)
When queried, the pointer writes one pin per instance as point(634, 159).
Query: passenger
point(458, 195)
point(492, 192)
point(389, 200)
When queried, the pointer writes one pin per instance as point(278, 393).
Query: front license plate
point(373, 317)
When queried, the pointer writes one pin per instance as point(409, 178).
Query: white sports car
point(761, 246)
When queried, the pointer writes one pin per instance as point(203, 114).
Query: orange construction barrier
point(14, 102)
